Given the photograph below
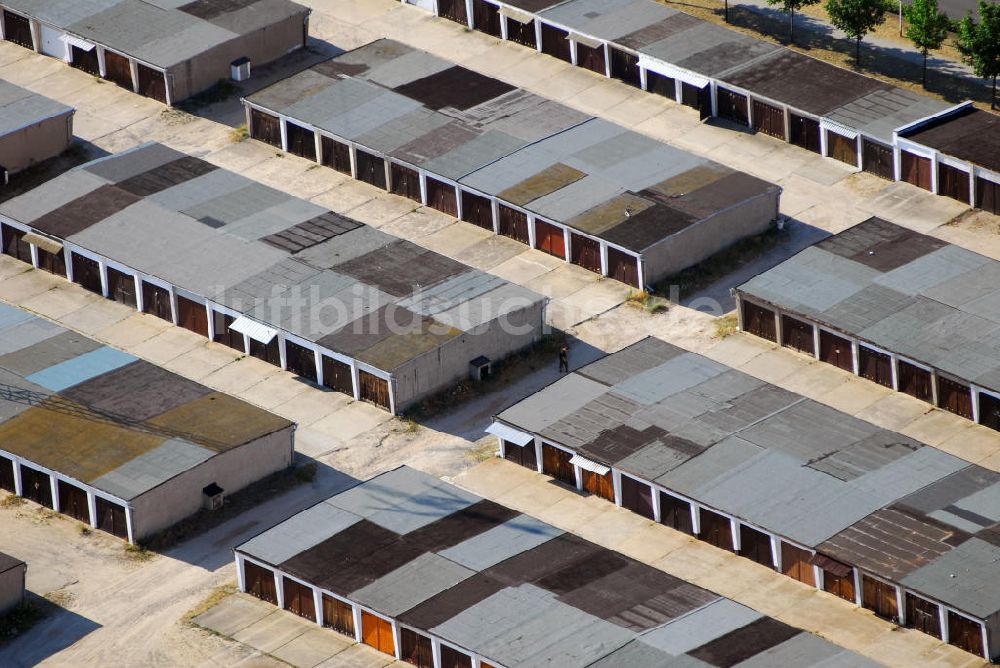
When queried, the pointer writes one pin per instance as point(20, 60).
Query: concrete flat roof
point(106, 418)
point(560, 164)
point(20, 108)
point(512, 589)
point(777, 460)
point(932, 302)
point(264, 253)
point(968, 134)
point(162, 33)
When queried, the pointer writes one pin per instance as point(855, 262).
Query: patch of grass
point(220, 92)
point(12, 501)
point(505, 372)
point(22, 618)
point(410, 426)
point(239, 133)
point(98, 80)
point(235, 504)
point(650, 303)
point(212, 600)
point(279, 154)
point(137, 553)
point(640, 298)
point(484, 452)
point(685, 283)
point(84, 529)
point(726, 325)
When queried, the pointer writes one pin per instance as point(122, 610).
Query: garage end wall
point(35, 143)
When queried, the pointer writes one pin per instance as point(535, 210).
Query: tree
point(980, 43)
point(790, 7)
point(857, 18)
point(928, 27)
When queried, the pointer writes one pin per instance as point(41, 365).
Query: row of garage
point(444, 195)
point(81, 502)
point(348, 618)
point(851, 118)
point(887, 600)
point(150, 295)
point(864, 359)
point(95, 59)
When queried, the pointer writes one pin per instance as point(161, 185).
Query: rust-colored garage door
point(513, 223)
point(117, 69)
point(156, 301)
point(415, 649)
point(152, 83)
point(336, 155)
point(374, 389)
point(797, 335)
point(599, 485)
point(877, 159)
point(732, 106)
point(915, 170)
point(623, 267)
point(875, 366)
point(550, 239)
point(842, 148)
point(299, 599)
point(953, 183)
point(955, 397)
point(259, 582)
point(441, 196)
point(879, 597)
point(965, 633)
point(768, 119)
point(585, 252)
point(192, 316)
point(795, 563)
point(337, 376)
point(759, 321)
point(913, 380)
point(555, 462)
point(73, 502)
point(338, 616)
point(111, 518)
point(377, 632)
point(836, 350)
point(922, 615)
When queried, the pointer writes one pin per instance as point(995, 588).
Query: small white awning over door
point(81, 44)
point(257, 331)
point(509, 434)
point(587, 465)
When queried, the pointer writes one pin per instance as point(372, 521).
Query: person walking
point(564, 359)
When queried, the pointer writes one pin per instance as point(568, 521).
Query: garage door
point(555, 462)
point(523, 455)
point(377, 632)
point(522, 33)
point(843, 149)
point(337, 376)
point(336, 155)
point(797, 335)
point(513, 224)
point(405, 181)
point(371, 169)
point(259, 582)
point(913, 380)
point(121, 287)
point(877, 159)
point(759, 321)
point(805, 133)
point(117, 69)
point(192, 316)
point(732, 106)
point(156, 301)
point(586, 252)
point(224, 335)
point(954, 397)
point(265, 127)
point(14, 244)
point(836, 350)
point(50, 44)
point(987, 195)
point(300, 360)
point(953, 183)
point(756, 546)
point(299, 599)
point(554, 43)
point(486, 17)
point(623, 267)
point(111, 518)
point(637, 496)
point(875, 366)
point(301, 141)
point(36, 486)
point(716, 530)
point(17, 29)
point(73, 502)
point(795, 563)
point(7, 474)
point(550, 239)
point(441, 196)
point(374, 389)
point(915, 169)
point(152, 83)
point(625, 67)
point(590, 58)
point(453, 10)
point(768, 119)
point(477, 210)
point(338, 616)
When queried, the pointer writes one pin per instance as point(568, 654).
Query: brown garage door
point(374, 389)
point(585, 252)
point(441, 196)
point(756, 546)
point(486, 17)
point(300, 360)
point(625, 66)
point(555, 42)
point(36, 486)
point(955, 397)
point(152, 83)
point(987, 195)
point(953, 183)
point(522, 33)
point(192, 316)
point(336, 155)
point(637, 496)
point(716, 530)
point(768, 119)
point(989, 411)
point(337, 376)
point(521, 454)
point(555, 462)
point(54, 263)
point(14, 243)
point(879, 597)
point(599, 485)
point(513, 223)
point(111, 518)
point(915, 170)
point(118, 70)
point(797, 335)
point(913, 380)
point(301, 141)
point(839, 585)
point(73, 502)
point(259, 582)
point(759, 321)
point(454, 10)
point(877, 159)
point(266, 352)
point(875, 366)
point(697, 98)
point(371, 169)
point(550, 239)
point(732, 106)
point(590, 58)
point(795, 564)
point(922, 615)
point(661, 85)
point(415, 648)
point(121, 287)
point(6, 474)
point(676, 513)
point(477, 210)
point(405, 181)
point(623, 267)
point(842, 148)
point(836, 350)
point(377, 632)
point(452, 658)
point(87, 273)
point(265, 127)
point(17, 29)
point(85, 60)
point(224, 335)
point(299, 599)
point(965, 633)
point(338, 616)
point(805, 133)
